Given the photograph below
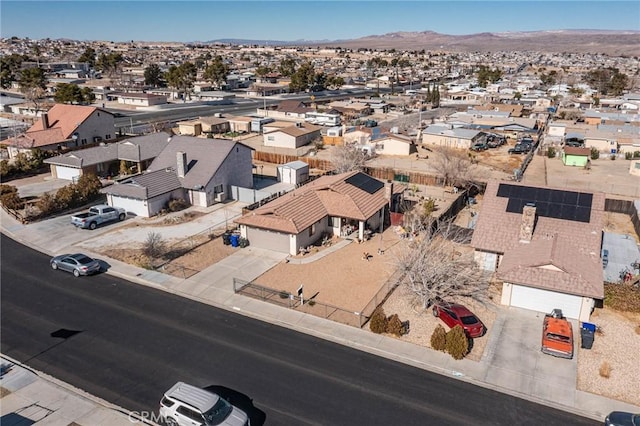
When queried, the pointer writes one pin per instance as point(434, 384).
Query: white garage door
point(67, 173)
point(545, 301)
point(131, 205)
point(270, 240)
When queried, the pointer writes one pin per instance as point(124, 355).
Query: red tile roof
point(64, 117)
point(326, 196)
point(576, 250)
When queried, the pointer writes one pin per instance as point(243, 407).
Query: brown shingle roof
point(574, 150)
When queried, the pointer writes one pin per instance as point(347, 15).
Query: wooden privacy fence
point(626, 207)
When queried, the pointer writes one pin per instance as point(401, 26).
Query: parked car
point(557, 335)
point(479, 146)
point(187, 405)
point(620, 418)
point(97, 215)
point(520, 149)
point(454, 314)
point(78, 264)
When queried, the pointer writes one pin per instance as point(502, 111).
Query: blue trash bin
point(235, 239)
point(589, 326)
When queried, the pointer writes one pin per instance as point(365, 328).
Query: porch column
point(361, 230)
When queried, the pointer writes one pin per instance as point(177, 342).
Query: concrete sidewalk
point(30, 397)
point(498, 368)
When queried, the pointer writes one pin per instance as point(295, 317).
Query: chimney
point(388, 191)
point(45, 121)
point(528, 223)
point(182, 163)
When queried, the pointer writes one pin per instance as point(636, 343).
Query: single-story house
point(574, 156)
point(205, 170)
point(294, 136)
point(64, 126)
point(449, 136)
point(139, 99)
point(395, 144)
point(544, 244)
point(344, 204)
point(104, 160)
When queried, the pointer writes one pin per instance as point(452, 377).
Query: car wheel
point(93, 225)
point(76, 273)
point(54, 265)
point(121, 217)
point(435, 312)
point(171, 422)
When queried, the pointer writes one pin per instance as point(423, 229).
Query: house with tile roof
point(200, 171)
point(104, 160)
point(544, 245)
point(65, 126)
point(345, 204)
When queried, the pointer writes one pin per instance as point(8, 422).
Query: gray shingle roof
point(145, 186)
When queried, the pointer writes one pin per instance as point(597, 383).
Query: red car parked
point(454, 314)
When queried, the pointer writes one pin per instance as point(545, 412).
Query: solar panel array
point(558, 204)
point(365, 182)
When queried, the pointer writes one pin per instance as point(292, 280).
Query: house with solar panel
point(544, 244)
point(348, 205)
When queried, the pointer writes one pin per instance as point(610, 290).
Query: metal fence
point(293, 301)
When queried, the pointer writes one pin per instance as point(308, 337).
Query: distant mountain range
point(611, 42)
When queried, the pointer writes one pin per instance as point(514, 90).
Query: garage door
point(269, 240)
point(131, 205)
point(545, 301)
point(67, 173)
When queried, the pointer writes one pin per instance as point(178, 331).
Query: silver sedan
point(78, 264)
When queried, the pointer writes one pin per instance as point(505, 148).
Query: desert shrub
point(613, 157)
point(284, 294)
point(551, 152)
point(47, 204)
point(12, 201)
point(636, 154)
point(628, 155)
point(154, 245)
point(394, 325)
point(439, 338)
point(6, 168)
point(605, 370)
point(175, 205)
point(457, 343)
point(67, 197)
point(378, 321)
point(7, 189)
point(622, 297)
point(88, 187)
point(595, 154)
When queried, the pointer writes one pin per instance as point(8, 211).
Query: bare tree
point(433, 266)
point(347, 158)
point(455, 167)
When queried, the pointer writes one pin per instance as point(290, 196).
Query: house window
point(334, 221)
point(83, 141)
point(107, 136)
point(218, 189)
point(312, 230)
point(271, 138)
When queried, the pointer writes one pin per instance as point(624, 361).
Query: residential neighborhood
point(433, 208)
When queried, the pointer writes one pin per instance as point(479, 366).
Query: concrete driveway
point(514, 360)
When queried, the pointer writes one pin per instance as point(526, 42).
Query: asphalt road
point(127, 344)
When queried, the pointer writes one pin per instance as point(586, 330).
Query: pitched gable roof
point(326, 196)
point(146, 185)
point(66, 118)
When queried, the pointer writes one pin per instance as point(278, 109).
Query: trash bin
point(587, 333)
point(235, 239)
point(226, 238)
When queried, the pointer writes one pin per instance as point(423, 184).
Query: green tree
point(109, 63)
point(88, 56)
point(287, 67)
point(69, 93)
point(334, 81)
point(10, 69)
point(607, 81)
point(262, 71)
point(182, 77)
point(303, 79)
point(88, 187)
point(33, 84)
point(153, 75)
point(216, 72)
point(486, 75)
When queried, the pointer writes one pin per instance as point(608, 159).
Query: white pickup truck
point(97, 215)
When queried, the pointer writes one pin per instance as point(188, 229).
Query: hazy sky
point(146, 20)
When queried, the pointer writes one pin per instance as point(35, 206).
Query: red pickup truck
point(557, 335)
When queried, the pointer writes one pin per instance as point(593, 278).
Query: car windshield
point(218, 412)
point(469, 320)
